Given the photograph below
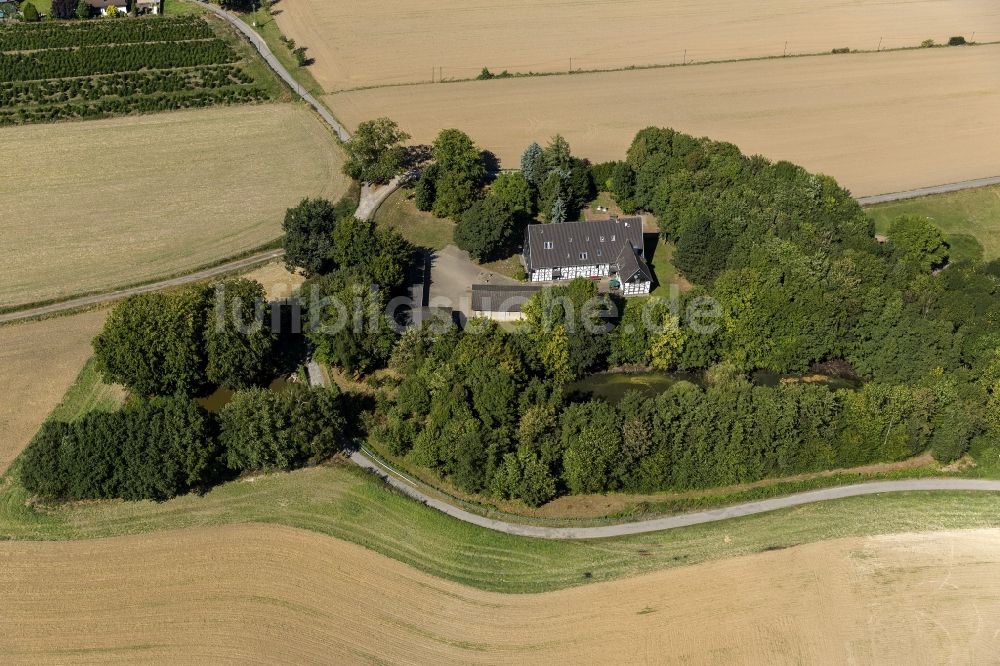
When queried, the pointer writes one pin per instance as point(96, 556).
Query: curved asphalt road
point(671, 522)
point(400, 482)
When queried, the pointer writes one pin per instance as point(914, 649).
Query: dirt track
point(415, 37)
point(276, 595)
point(882, 122)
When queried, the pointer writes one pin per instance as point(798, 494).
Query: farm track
point(108, 297)
point(272, 62)
point(401, 483)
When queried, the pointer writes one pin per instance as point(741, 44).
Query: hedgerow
point(88, 60)
point(123, 106)
point(94, 69)
point(125, 84)
point(30, 36)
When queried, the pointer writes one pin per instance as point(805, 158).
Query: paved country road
point(393, 478)
point(399, 481)
point(108, 297)
point(927, 191)
point(273, 63)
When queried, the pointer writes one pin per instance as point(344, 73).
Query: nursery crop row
point(89, 60)
point(31, 36)
point(125, 84)
point(116, 106)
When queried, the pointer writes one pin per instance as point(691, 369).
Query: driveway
point(453, 273)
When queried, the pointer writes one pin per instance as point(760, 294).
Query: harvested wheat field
point(101, 204)
point(38, 362)
point(276, 595)
point(880, 122)
point(461, 38)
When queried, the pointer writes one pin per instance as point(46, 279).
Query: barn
point(501, 302)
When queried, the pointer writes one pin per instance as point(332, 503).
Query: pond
point(612, 386)
point(220, 397)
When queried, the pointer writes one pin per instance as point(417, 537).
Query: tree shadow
point(414, 157)
point(491, 162)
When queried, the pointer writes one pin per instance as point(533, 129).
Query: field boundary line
point(637, 68)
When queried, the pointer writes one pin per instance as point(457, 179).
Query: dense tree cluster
point(453, 182)
point(178, 342)
point(354, 269)
point(155, 449)
point(485, 411)
point(262, 430)
point(163, 447)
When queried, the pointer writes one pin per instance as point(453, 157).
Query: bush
point(485, 75)
point(602, 175)
point(523, 476)
point(424, 192)
point(29, 12)
point(956, 41)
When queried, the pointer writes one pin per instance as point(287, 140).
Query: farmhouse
point(141, 6)
point(597, 249)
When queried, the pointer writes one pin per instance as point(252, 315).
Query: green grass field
point(420, 228)
point(345, 503)
point(664, 270)
point(965, 217)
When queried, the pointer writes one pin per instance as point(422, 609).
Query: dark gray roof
point(631, 265)
point(601, 241)
point(501, 297)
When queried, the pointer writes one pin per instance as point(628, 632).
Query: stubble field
point(275, 594)
point(881, 122)
point(38, 362)
point(101, 204)
point(459, 37)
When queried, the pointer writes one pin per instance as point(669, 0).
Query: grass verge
point(419, 228)
point(268, 29)
point(88, 394)
point(970, 219)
